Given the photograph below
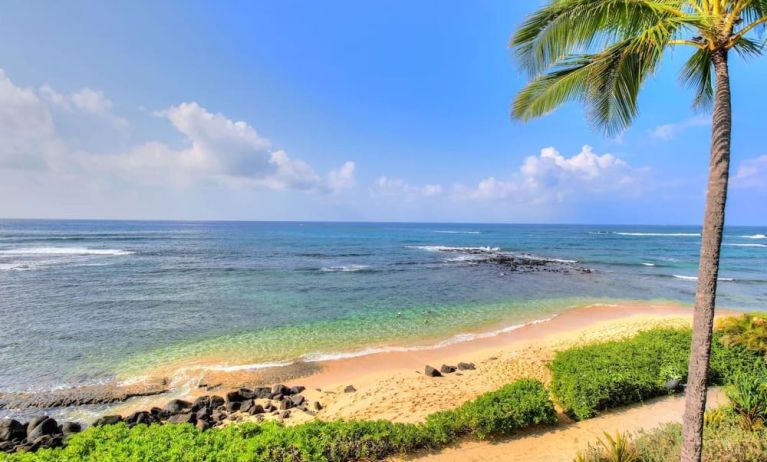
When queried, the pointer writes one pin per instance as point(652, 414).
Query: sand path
point(562, 443)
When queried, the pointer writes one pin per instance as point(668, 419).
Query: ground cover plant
point(518, 405)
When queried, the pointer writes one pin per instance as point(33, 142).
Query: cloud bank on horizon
point(75, 147)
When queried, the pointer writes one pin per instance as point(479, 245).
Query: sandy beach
point(392, 385)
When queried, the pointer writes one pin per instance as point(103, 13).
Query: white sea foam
point(659, 234)
point(747, 245)
point(456, 232)
point(465, 258)
point(553, 260)
point(695, 278)
point(755, 236)
point(458, 338)
point(344, 268)
point(33, 251)
point(648, 264)
point(445, 248)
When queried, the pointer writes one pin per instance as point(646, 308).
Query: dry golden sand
point(392, 386)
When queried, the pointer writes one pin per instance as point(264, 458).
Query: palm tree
point(599, 52)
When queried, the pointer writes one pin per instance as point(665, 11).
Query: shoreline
point(391, 384)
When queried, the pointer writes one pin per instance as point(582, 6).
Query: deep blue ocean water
point(88, 301)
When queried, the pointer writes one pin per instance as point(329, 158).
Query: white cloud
point(546, 178)
point(668, 131)
point(45, 130)
point(27, 132)
point(342, 177)
point(752, 174)
point(397, 187)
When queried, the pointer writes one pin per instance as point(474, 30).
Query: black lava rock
point(46, 427)
point(175, 406)
point(107, 420)
point(186, 417)
point(11, 430)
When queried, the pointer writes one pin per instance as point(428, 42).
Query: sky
point(335, 111)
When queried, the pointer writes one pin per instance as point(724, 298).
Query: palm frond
point(566, 27)
point(697, 74)
point(608, 82)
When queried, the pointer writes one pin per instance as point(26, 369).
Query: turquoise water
point(89, 301)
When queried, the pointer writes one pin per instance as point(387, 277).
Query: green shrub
point(586, 380)
point(515, 406)
point(724, 441)
point(748, 330)
point(748, 396)
point(592, 378)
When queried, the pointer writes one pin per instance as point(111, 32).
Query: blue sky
point(334, 111)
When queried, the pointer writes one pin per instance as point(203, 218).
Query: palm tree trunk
point(705, 296)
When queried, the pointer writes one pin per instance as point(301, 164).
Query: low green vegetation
point(592, 378)
point(518, 405)
point(585, 380)
point(725, 439)
point(747, 330)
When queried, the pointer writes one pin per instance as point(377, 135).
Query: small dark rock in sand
point(232, 406)
point(317, 406)
point(285, 414)
point(183, 418)
point(12, 429)
point(234, 396)
point(246, 405)
point(431, 372)
point(262, 392)
point(175, 406)
point(286, 404)
point(107, 420)
point(257, 409)
point(466, 366)
point(216, 401)
point(350, 389)
point(279, 389)
point(297, 389)
point(445, 369)
point(247, 393)
point(297, 399)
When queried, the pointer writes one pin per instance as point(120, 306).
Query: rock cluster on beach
point(430, 371)
point(40, 432)
point(204, 412)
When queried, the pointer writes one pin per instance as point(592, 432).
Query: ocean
point(86, 302)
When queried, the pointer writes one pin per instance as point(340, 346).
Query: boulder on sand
point(431, 372)
point(445, 369)
point(350, 389)
point(466, 366)
point(175, 406)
